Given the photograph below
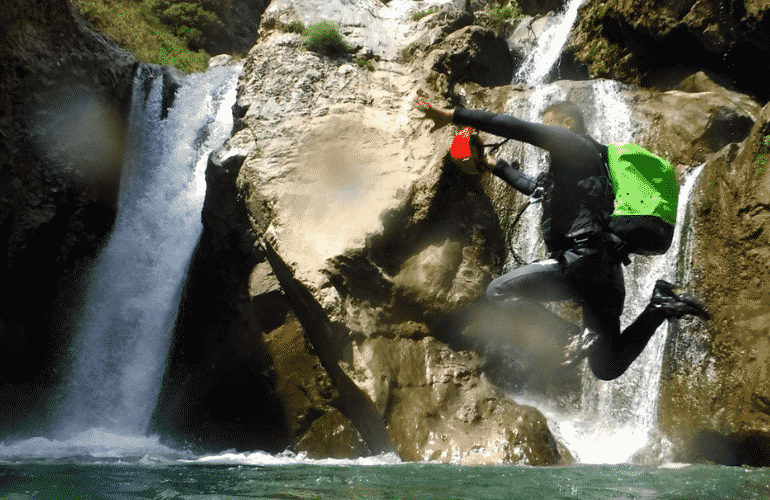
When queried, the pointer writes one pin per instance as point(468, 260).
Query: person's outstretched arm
point(568, 149)
point(515, 177)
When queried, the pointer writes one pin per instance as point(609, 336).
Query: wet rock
point(220, 60)
point(439, 407)
point(716, 373)
point(638, 42)
point(332, 436)
point(64, 92)
point(475, 54)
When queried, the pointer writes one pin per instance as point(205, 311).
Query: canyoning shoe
point(676, 302)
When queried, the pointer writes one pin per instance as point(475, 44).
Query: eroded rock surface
point(375, 242)
point(717, 378)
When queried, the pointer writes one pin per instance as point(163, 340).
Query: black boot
point(676, 302)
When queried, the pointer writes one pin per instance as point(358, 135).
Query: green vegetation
point(295, 27)
point(422, 13)
point(137, 27)
point(601, 54)
point(325, 37)
point(501, 14)
point(200, 23)
point(408, 52)
point(760, 157)
point(364, 63)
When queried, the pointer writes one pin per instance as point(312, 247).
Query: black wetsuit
point(576, 208)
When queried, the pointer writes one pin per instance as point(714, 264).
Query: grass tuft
point(422, 13)
point(364, 63)
point(501, 14)
point(325, 37)
point(295, 27)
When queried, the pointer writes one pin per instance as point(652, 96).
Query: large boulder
point(242, 373)
point(64, 92)
point(375, 241)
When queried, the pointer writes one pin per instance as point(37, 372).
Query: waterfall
point(133, 290)
point(617, 416)
point(614, 418)
point(541, 59)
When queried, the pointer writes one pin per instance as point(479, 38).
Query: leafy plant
point(422, 13)
point(364, 63)
point(295, 27)
point(325, 37)
point(501, 14)
point(191, 21)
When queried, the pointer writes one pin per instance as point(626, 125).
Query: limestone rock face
point(440, 407)
point(242, 372)
point(717, 378)
point(475, 54)
point(652, 42)
point(383, 29)
point(375, 241)
point(64, 93)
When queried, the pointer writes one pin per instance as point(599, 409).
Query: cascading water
point(615, 418)
point(133, 293)
point(541, 59)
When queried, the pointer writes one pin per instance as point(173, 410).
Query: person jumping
point(585, 251)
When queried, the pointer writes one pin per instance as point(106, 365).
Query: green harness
point(644, 183)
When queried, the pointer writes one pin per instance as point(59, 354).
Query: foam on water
point(93, 443)
point(290, 458)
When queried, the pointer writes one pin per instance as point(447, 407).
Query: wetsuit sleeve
point(516, 178)
point(568, 149)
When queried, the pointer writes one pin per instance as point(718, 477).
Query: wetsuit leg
point(535, 329)
point(541, 281)
point(604, 294)
point(615, 353)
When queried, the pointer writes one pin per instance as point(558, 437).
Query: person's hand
point(440, 118)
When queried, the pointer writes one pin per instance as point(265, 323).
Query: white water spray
point(541, 59)
point(121, 346)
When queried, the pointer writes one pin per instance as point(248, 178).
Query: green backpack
point(646, 195)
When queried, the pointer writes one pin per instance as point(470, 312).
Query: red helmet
point(460, 151)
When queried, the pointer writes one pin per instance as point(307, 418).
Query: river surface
point(268, 476)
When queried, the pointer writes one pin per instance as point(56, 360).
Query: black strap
point(495, 146)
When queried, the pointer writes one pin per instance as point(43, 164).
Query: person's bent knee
point(494, 292)
point(604, 369)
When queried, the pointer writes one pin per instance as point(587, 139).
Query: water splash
point(133, 291)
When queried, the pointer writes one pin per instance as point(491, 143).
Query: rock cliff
point(64, 92)
point(340, 201)
point(322, 312)
point(658, 42)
